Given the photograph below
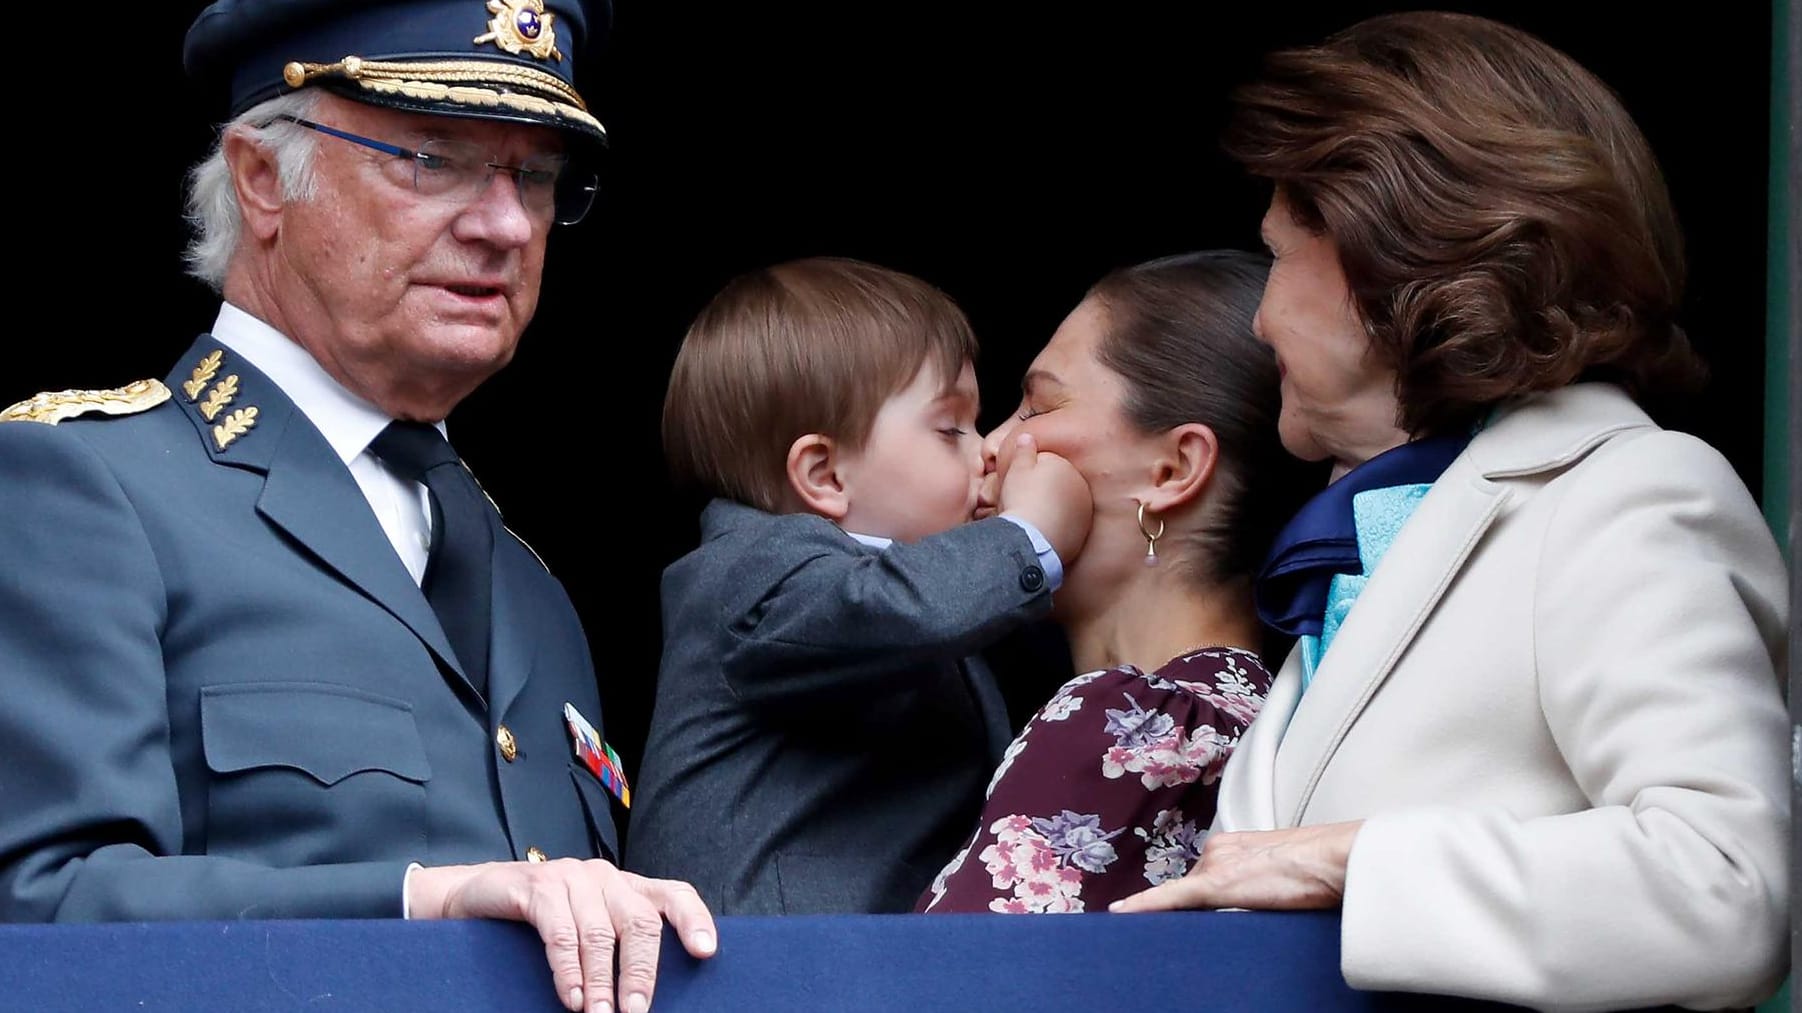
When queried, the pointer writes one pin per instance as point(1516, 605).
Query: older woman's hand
point(1284, 870)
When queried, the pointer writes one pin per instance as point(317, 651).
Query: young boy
point(822, 732)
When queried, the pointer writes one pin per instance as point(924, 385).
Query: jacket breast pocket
point(312, 773)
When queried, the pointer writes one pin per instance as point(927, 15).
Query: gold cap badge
point(522, 26)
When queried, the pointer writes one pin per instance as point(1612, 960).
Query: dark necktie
point(459, 571)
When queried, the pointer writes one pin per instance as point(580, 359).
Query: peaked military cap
point(511, 60)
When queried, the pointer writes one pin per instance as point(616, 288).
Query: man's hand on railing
point(585, 911)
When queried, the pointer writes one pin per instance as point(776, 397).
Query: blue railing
point(1093, 963)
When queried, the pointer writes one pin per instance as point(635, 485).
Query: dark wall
point(1008, 153)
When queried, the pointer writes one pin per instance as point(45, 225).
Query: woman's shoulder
point(1645, 471)
point(1201, 665)
point(1594, 434)
point(1209, 663)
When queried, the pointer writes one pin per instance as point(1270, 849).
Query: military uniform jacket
point(225, 695)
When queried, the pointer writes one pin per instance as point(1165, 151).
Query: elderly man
point(269, 651)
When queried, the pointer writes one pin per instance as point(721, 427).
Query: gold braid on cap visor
point(445, 81)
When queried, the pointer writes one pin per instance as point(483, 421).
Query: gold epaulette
point(52, 407)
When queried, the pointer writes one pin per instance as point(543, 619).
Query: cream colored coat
point(1556, 708)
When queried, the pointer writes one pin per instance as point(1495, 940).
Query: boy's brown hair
point(809, 346)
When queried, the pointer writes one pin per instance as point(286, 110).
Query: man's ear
point(814, 476)
point(1183, 468)
point(257, 179)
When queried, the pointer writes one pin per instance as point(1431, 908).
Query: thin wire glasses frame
point(461, 170)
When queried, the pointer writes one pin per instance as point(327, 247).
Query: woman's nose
point(993, 442)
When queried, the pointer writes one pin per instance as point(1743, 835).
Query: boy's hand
point(1047, 491)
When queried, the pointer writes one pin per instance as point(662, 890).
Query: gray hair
point(213, 210)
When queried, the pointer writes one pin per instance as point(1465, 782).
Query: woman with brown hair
point(1155, 390)
point(1530, 738)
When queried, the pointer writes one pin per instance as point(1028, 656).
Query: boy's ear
point(814, 478)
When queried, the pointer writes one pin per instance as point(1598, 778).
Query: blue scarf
point(1321, 540)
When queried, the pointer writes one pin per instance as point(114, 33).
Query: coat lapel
point(1247, 798)
point(305, 485)
point(1408, 583)
point(1534, 437)
point(511, 652)
point(305, 495)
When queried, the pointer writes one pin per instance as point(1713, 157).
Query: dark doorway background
point(1009, 153)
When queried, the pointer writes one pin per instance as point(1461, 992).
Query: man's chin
point(471, 349)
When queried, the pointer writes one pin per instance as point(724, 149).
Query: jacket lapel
point(511, 652)
point(1247, 799)
point(1534, 437)
point(306, 488)
point(305, 494)
point(1401, 594)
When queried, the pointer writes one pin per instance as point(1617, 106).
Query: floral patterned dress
point(1109, 789)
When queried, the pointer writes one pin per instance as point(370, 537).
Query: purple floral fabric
point(1109, 789)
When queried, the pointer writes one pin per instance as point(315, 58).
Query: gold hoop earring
point(1151, 537)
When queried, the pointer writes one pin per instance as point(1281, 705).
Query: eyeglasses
point(459, 171)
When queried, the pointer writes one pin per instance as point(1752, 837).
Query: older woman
point(1156, 391)
point(1531, 738)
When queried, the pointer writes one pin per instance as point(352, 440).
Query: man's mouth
point(473, 291)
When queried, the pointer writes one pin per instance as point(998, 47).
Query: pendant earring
point(1151, 537)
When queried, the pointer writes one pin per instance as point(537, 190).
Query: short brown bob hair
point(1502, 224)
